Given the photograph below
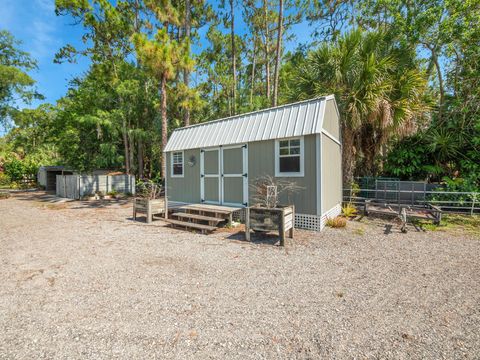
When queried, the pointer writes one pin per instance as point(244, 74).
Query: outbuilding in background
point(47, 176)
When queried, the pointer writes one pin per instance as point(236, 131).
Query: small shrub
point(349, 210)
point(113, 193)
point(337, 222)
point(4, 180)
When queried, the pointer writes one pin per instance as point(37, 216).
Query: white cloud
point(46, 5)
point(43, 38)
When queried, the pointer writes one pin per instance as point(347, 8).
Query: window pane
point(177, 169)
point(284, 143)
point(290, 164)
point(284, 151)
point(294, 151)
point(177, 158)
point(295, 142)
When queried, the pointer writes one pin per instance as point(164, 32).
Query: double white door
point(224, 175)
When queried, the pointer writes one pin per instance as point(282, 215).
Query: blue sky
point(42, 33)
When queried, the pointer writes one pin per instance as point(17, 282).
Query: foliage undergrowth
point(349, 210)
point(454, 222)
point(337, 222)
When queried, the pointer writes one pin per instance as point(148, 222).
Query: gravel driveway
point(84, 281)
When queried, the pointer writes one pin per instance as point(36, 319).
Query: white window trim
point(277, 159)
point(171, 164)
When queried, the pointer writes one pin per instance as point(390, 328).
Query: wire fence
point(415, 193)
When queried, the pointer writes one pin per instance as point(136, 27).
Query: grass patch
point(454, 222)
point(60, 206)
point(359, 231)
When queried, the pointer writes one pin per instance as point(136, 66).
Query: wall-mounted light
point(192, 161)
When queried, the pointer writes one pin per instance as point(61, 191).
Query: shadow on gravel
point(41, 196)
point(51, 198)
point(256, 238)
point(99, 204)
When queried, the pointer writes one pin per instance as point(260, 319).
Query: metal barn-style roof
point(297, 119)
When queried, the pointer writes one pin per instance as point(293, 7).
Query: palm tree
point(379, 89)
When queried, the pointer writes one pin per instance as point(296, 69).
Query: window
point(177, 164)
point(289, 157)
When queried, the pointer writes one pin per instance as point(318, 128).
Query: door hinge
point(245, 203)
point(202, 151)
point(202, 200)
point(245, 175)
point(202, 175)
point(244, 146)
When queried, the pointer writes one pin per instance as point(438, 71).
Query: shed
point(217, 162)
point(47, 176)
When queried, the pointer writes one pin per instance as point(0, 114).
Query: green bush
point(4, 180)
point(15, 169)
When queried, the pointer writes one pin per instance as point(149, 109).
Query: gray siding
point(186, 188)
point(261, 161)
point(331, 121)
point(331, 173)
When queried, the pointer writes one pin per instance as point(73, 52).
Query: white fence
point(77, 186)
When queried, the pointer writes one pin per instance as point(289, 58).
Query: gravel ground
point(82, 280)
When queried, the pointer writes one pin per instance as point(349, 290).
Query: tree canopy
point(405, 75)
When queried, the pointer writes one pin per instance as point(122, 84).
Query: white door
point(234, 175)
point(210, 180)
point(224, 175)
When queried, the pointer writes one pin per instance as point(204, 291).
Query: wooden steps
point(207, 208)
point(191, 225)
point(203, 217)
point(197, 217)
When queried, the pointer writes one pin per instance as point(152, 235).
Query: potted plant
point(150, 200)
point(268, 214)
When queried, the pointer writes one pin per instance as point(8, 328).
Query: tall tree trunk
point(163, 113)
point(348, 154)
point(131, 146)
point(435, 63)
point(252, 78)
point(234, 57)
point(140, 158)
point(440, 82)
point(267, 50)
point(279, 53)
point(126, 145)
point(140, 163)
point(186, 72)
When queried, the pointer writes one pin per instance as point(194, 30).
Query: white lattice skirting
point(304, 221)
point(316, 222)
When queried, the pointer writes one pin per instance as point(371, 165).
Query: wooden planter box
point(149, 207)
point(262, 219)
